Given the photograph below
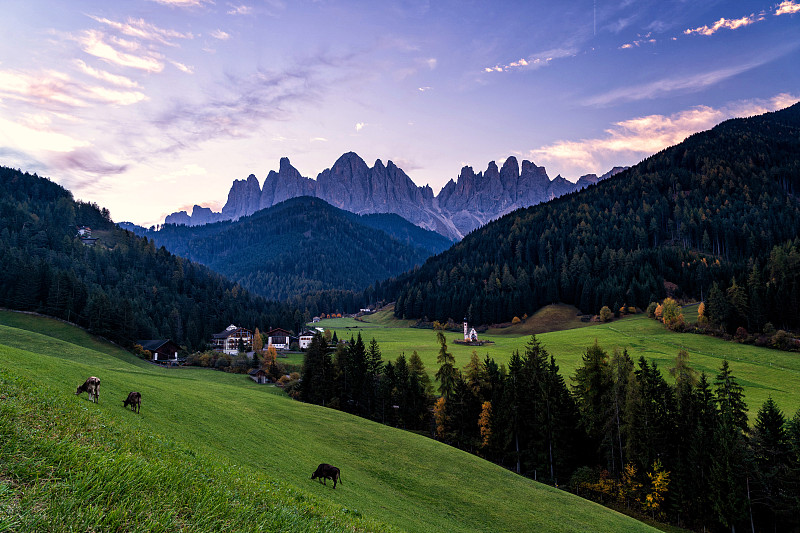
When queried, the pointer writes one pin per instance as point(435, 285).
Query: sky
point(147, 107)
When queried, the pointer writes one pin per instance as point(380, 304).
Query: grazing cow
point(326, 471)
point(92, 387)
point(134, 400)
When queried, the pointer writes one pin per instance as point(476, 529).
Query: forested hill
point(123, 287)
point(304, 245)
point(721, 205)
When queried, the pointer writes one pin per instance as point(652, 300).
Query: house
point(279, 338)
point(85, 235)
point(305, 338)
point(259, 376)
point(315, 319)
point(163, 350)
point(228, 340)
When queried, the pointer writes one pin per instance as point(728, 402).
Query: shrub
point(515, 320)
point(651, 310)
point(741, 334)
point(605, 314)
point(769, 329)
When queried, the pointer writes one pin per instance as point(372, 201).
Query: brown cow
point(91, 386)
point(134, 400)
point(326, 471)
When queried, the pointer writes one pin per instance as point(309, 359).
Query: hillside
point(124, 287)
point(719, 207)
point(304, 245)
point(213, 451)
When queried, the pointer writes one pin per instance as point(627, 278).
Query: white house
point(305, 339)
point(279, 338)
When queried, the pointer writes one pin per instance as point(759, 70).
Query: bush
point(651, 310)
point(605, 314)
point(515, 320)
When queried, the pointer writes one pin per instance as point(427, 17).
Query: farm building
point(259, 376)
point(228, 341)
point(163, 350)
point(279, 338)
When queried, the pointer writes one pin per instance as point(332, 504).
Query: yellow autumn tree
point(258, 341)
point(659, 482)
point(484, 424)
point(270, 356)
point(671, 314)
point(440, 416)
point(629, 487)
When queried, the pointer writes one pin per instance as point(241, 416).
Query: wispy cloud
point(533, 61)
point(629, 141)
point(787, 7)
point(93, 43)
point(221, 35)
point(102, 75)
point(727, 24)
point(423, 89)
point(318, 140)
point(183, 3)
point(141, 29)
point(360, 126)
point(52, 90)
point(645, 39)
point(240, 9)
point(25, 137)
point(183, 68)
point(690, 83)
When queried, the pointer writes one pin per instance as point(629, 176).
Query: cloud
point(36, 137)
point(431, 62)
point(87, 160)
point(183, 68)
point(360, 126)
point(723, 23)
point(629, 141)
point(221, 35)
point(423, 89)
point(240, 9)
point(533, 61)
point(646, 39)
point(694, 82)
point(141, 29)
point(318, 140)
point(183, 3)
point(52, 90)
point(93, 43)
point(787, 7)
point(102, 75)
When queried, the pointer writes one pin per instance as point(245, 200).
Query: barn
point(163, 350)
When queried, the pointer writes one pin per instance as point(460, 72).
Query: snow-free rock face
point(461, 206)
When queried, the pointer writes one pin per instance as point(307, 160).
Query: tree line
point(124, 288)
point(714, 208)
point(618, 432)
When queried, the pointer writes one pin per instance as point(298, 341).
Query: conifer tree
point(448, 374)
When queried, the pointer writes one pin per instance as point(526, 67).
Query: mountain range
point(350, 184)
point(301, 246)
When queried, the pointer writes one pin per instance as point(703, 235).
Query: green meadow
point(762, 371)
point(212, 451)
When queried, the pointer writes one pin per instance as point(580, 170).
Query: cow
point(134, 400)
point(92, 387)
point(326, 471)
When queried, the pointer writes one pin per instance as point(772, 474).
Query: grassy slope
point(396, 477)
point(763, 372)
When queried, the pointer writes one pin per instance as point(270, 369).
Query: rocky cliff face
point(461, 206)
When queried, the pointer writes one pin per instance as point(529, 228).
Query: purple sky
point(150, 106)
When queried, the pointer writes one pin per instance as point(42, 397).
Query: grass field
point(762, 371)
point(212, 451)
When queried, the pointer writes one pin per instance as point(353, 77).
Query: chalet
point(259, 376)
point(85, 235)
point(228, 341)
point(279, 338)
point(305, 338)
point(315, 319)
point(163, 350)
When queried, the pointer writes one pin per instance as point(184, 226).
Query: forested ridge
point(719, 207)
point(123, 288)
point(303, 246)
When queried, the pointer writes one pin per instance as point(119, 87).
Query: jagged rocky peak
point(461, 206)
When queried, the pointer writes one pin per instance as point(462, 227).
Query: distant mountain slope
point(123, 287)
point(721, 204)
point(461, 206)
point(304, 245)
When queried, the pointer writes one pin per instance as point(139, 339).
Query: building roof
point(257, 371)
point(278, 332)
point(230, 330)
point(152, 345)
point(308, 333)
